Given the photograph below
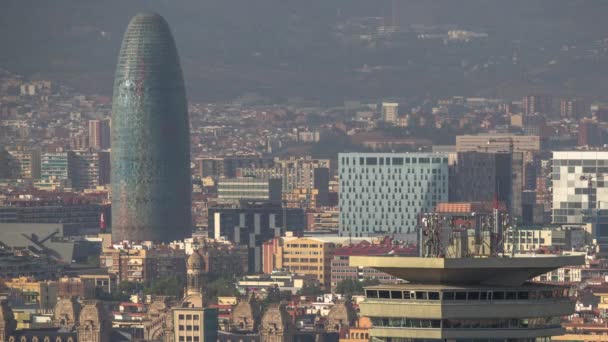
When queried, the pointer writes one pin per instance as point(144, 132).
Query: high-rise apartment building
point(99, 134)
point(384, 193)
point(390, 111)
point(573, 108)
point(533, 104)
point(591, 133)
point(58, 165)
point(25, 164)
point(92, 169)
point(151, 182)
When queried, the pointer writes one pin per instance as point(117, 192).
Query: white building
point(580, 190)
point(383, 193)
point(390, 111)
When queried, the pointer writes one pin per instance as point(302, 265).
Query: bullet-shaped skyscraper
point(151, 186)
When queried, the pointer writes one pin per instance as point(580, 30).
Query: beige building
point(309, 256)
point(497, 142)
point(25, 164)
point(141, 264)
point(41, 293)
point(466, 299)
point(390, 112)
point(526, 240)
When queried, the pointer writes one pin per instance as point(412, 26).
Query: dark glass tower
point(151, 187)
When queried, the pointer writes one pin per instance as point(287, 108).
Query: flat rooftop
point(501, 271)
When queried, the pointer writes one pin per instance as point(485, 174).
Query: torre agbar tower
point(476, 299)
point(151, 187)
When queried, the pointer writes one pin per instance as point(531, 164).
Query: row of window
point(188, 328)
point(580, 162)
point(195, 317)
point(468, 295)
point(392, 160)
point(189, 339)
point(416, 323)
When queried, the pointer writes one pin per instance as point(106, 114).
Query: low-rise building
point(39, 294)
point(532, 239)
point(141, 263)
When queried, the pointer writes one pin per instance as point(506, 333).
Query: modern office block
point(384, 193)
point(151, 182)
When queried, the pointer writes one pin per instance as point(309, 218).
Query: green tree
point(310, 290)
point(221, 287)
point(350, 287)
point(165, 287)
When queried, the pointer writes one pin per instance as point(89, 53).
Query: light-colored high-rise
point(383, 193)
point(99, 134)
point(580, 192)
point(390, 111)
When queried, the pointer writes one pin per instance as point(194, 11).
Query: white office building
point(580, 189)
point(384, 193)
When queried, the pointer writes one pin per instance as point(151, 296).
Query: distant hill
point(284, 48)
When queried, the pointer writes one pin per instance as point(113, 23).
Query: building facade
point(251, 224)
point(151, 182)
point(497, 143)
point(466, 299)
point(250, 189)
point(579, 190)
point(383, 193)
point(99, 134)
point(390, 112)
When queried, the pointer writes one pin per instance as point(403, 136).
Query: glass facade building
point(383, 193)
point(151, 182)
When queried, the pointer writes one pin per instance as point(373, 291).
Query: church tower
point(195, 274)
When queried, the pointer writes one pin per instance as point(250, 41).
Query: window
point(498, 295)
point(473, 296)
point(188, 316)
point(396, 295)
point(448, 296)
point(195, 327)
point(371, 161)
point(384, 294)
point(461, 296)
point(371, 293)
point(421, 295)
point(523, 295)
point(181, 316)
point(511, 295)
point(433, 295)
point(181, 328)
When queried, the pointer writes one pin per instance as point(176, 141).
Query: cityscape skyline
point(379, 205)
